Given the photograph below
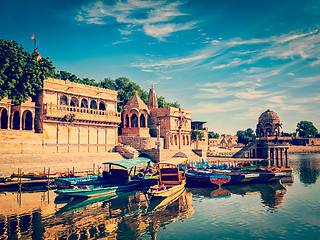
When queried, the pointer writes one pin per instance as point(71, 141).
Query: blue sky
point(227, 61)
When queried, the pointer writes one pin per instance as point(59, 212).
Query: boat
point(172, 178)
point(79, 181)
point(250, 176)
point(120, 176)
point(203, 178)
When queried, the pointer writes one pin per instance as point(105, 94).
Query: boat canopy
point(129, 163)
point(174, 161)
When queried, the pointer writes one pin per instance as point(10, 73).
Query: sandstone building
point(66, 117)
point(158, 133)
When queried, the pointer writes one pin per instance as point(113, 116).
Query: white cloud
point(154, 16)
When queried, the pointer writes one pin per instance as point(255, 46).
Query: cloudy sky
point(227, 61)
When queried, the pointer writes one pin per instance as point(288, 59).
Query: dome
point(269, 116)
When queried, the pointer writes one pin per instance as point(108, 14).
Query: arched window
point(175, 140)
point(93, 104)
point(142, 121)
point(127, 120)
point(4, 119)
point(16, 121)
point(63, 100)
point(102, 106)
point(74, 102)
point(134, 120)
point(84, 103)
point(27, 118)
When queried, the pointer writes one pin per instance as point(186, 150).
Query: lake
point(290, 210)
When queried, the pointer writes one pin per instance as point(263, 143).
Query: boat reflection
point(212, 192)
point(129, 216)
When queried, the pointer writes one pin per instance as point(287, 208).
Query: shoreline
point(84, 162)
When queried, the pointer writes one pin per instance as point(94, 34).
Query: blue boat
point(79, 181)
point(205, 178)
point(121, 176)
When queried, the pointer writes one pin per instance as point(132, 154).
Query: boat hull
point(240, 177)
point(168, 192)
point(205, 178)
point(94, 191)
point(80, 181)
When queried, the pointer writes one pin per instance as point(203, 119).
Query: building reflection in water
point(271, 194)
point(31, 216)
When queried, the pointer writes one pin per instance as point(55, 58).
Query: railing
point(55, 110)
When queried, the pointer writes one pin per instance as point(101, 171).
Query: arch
point(27, 120)
point(187, 140)
point(63, 100)
point(16, 121)
point(84, 103)
point(180, 155)
point(127, 121)
point(183, 140)
point(102, 106)
point(93, 104)
point(144, 155)
point(4, 119)
point(134, 120)
point(74, 102)
point(142, 121)
point(175, 140)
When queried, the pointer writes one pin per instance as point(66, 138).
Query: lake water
point(290, 210)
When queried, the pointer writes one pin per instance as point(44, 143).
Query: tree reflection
point(309, 170)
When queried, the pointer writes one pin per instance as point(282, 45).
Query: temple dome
point(269, 124)
point(269, 116)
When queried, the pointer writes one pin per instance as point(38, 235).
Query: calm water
point(265, 211)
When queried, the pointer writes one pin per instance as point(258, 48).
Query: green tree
point(243, 136)
point(195, 133)
point(306, 129)
point(21, 73)
point(213, 135)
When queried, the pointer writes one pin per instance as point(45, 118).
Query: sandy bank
point(304, 149)
point(56, 162)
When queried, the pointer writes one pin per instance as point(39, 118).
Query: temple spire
point(152, 100)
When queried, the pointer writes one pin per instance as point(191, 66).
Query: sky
point(226, 61)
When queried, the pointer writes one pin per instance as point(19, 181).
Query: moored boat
point(172, 178)
point(78, 181)
point(249, 176)
point(206, 178)
point(121, 176)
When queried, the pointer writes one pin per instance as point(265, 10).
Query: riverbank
point(304, 149)
point(58, 162)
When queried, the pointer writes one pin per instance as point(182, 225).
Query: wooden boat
point(121, 176)
point(172, 178)
point(79, 181)
point(249, 176)
point(205, 178)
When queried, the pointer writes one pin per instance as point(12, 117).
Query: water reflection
point(308, 168)
point(271, 194)
point(127, 216)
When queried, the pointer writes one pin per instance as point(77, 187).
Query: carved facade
point(65, 117)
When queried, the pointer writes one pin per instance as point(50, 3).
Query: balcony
point(86, 114)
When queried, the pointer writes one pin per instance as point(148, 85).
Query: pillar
point(20, 125)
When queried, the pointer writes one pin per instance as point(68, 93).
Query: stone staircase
point(127, 151)
point(243, 151)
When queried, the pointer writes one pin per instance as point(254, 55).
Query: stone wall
point(68, 137)
point(140, 143)
point(18, 141)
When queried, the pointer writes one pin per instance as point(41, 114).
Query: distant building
point(268, 144)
